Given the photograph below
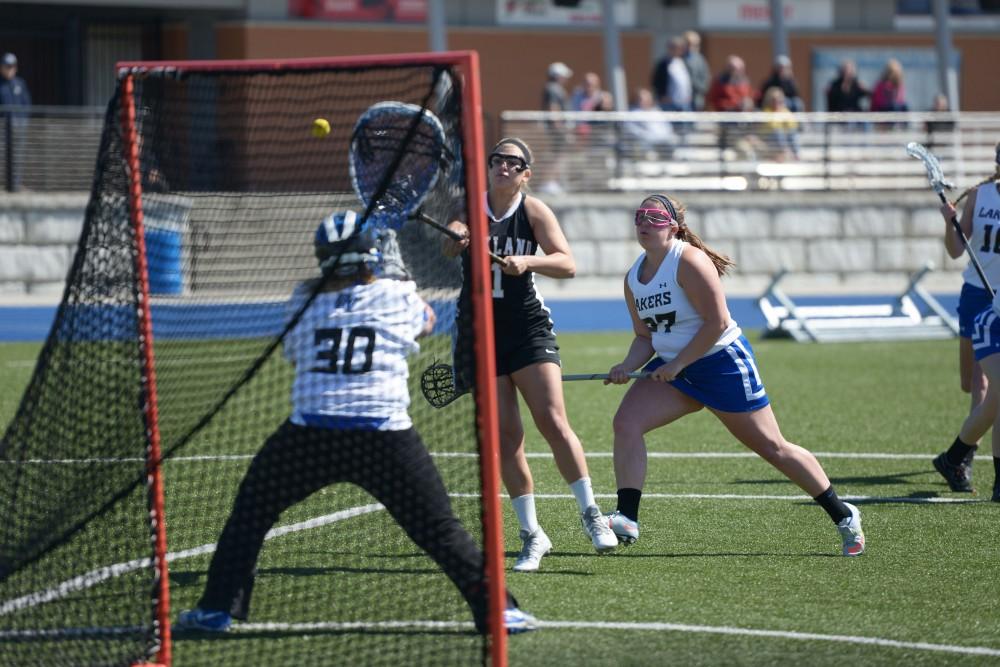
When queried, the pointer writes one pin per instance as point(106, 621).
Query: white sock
point(524, 508)
point(583, 492)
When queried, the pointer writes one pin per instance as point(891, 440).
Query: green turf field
point(734, 565)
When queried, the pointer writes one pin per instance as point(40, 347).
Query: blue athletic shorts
point(727, 381)
point(971, 302)
point(986, 334)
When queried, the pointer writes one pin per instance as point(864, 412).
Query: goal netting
point(232, 187)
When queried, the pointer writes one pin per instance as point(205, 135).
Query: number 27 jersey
point(349, 349)
point(664, 307)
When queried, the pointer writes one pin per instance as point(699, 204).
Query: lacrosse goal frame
point(466, 63)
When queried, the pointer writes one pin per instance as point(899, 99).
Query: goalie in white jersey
point(697, 357)
point(349, 423)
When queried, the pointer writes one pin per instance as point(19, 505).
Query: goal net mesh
point(234, 186)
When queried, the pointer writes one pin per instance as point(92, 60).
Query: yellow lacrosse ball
point(320, 128)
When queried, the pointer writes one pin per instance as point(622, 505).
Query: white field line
point(97, 576)
point(101, 574)
point(738, 496)
point(531, 455)
point(321, 626)
point(19, 363)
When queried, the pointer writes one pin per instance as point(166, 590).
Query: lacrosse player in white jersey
point(349, 423)
point(981, 225)
point(697, 357)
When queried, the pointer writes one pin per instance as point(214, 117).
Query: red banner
point(386, 11)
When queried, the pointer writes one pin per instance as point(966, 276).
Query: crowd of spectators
point(681, 81)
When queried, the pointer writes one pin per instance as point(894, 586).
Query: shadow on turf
point(885, 479)
point(191, 578)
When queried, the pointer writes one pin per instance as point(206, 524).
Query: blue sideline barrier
point(32, 323)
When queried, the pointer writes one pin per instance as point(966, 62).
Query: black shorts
point(513, 355)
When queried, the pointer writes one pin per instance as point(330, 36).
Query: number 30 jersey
point(665, 309)
point(349, 349)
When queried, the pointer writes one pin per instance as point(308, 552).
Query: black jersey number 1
point(327, 358)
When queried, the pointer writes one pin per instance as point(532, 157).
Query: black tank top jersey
point(518, 313)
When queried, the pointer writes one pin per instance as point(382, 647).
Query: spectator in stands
point(672, 80)
point(527, 353)
point(889, 93)
point(846, 92)
point(697, 357)
point(14, 93)
point(332, 437)
point(731, 89)
point(979, 367)
point(783, 78)
point(697, 66)
point(589, 96)
point(653, 138)
point(556, 98)
point(780, 130)
point(938, 125)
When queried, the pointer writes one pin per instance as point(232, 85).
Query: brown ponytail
point(677, 209)
point(994, 177)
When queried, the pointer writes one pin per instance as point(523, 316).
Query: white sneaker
point(534, 546)
point(624, 528)
point(850, 532)
point(517, 621)
point(595, 525)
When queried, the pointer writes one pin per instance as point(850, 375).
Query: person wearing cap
point(555, 97)
point(782, 77)
point(13, 93)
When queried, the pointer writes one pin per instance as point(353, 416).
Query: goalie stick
point(392, 182)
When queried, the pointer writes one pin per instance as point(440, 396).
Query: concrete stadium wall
point(850, 243)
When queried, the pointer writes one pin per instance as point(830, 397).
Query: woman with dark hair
point(979, 224)
point(697, 357)
point(527, 355)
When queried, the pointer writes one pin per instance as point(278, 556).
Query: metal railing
point(653, 150)
point(49, 148)
point(55, 148)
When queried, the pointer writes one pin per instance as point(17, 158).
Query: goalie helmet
point(343, 246)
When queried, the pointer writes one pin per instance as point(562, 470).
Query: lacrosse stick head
point(437, 383)
point(934, 173)
point(396, 154)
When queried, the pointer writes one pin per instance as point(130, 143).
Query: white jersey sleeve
point(349, 349)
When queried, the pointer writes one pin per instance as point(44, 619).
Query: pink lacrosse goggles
point(655, 217)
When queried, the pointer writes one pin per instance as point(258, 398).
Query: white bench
point(900, 319)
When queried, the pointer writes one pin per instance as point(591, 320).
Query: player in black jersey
point(527, 356)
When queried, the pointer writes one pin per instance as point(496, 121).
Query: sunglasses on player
point(515, 162)
point(655, 217)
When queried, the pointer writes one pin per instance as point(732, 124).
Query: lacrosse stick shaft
point(451, 233)
point(968, 249)
point(600, 376)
